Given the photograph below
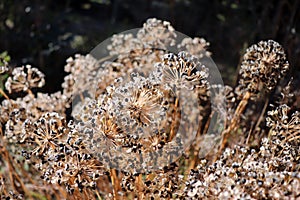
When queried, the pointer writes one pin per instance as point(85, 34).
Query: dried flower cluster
point(24, 78)
point(247, 173)
point(134, 121)
point(262, 67)
point(283, 126)
point(140, 125)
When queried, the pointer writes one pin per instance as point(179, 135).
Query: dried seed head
point(196, 46)
point(82, 75)
point(46, 132)
point(262, 67)
point(13, 127)
point(157, 34)
point(284, 126)
point(138, 102)
point(123, 44)
point(224, 100)
point(24, 78)
point(141, 51)
point(182, 70)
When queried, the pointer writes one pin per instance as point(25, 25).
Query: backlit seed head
point(46, 132)
point(264, 64)
point(182, 70)
point(196, 46)
point(24, 78)
point(284, 125)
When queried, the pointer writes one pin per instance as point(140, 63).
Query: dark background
point(46, 32)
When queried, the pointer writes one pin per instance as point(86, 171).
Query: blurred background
point(45, 33)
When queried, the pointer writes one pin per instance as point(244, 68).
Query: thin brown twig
point(115, 183)
point(139, 183)
point(239, 110)
point(98, 195)
point(4, 94)
point(259, 120)
point(176, 116)
point(13, 174)
point(30, 93)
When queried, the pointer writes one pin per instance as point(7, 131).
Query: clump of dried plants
point(126, 137)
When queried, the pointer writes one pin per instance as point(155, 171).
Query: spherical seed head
point(139, 102)
point(262, 67)
point(46, 132)
point(157, 33)
point(82, 71)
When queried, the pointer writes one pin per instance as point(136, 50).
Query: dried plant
point(140, 129)
point(284, 127)
point(262, 67)
point(24, 78)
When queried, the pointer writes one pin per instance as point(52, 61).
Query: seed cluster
point(24, 78)
point(283, 126)
point(135, 119)
point(247, 173)
point(262, 67)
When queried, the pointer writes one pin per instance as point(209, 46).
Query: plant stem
point(3, 94)
point(115, 183)
point(239, 110)
point(259, 120)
